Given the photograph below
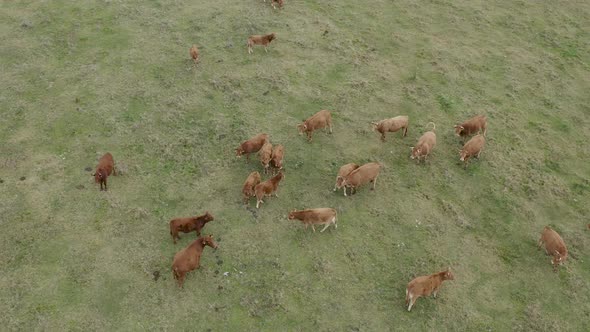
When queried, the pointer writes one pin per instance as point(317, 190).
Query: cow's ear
point(448, 268)
point(412, 148)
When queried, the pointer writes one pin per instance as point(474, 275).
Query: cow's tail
point(433, 125)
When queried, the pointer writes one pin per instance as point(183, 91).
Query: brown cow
point(265, 155)
point(426, 285)
point(106, 166)
point(364, 174)
point(267, 188)
point(425, 145)
point(344, 171)
point(321, 216)
point(194, 51)
point(554, 246)
point(392, 125)
point(278, 152)
point(189, 224)
point(472, 148)
point(321, 119)
point(263, 40)
point(472, 126)
point(248, 188)
point(189, 258)
point(252, 145)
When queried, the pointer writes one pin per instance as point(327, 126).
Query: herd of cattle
point(350, 177)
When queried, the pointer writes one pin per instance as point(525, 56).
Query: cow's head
point(557, 259)
point(463, 155)
point(292, 214)
point(339, 182)
point(458, 130)
point(448, 275)
point(272, 36)
point(208, 217)
point(302, 127)
point(100, 175)
point(374, 125)
point(239, 152)
point(416, 152)
point(208, 241)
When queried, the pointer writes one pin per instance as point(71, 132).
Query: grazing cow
point(252, 145)
point(344, 171)
point(265, 155)
point(263, 40)
point(321, 119)
point(426, 285)
point(474, 125)
point(194, 51)
point(364, 174)
point(321, 216)
point(554, 246)
point(189, 224)
point(106, 166)
point(425, 145)
point(472, 148)
point(248, 188)
point(278, 152)
point(267, 188)
point(392, 125)
point(189, 258)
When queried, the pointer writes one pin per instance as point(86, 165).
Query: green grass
point(82, 78)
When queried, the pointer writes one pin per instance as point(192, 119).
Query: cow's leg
point(412, 301)
point(276, 195)
point(313, 228)
point(323, 229)
point(258, 203)
point(405, 131)
point(265, 49)
point(105, 184)
point(382, 137)
point(309, 136)
point(434, 292)
point(478, 154)
point(114, 171)
point(374, 182)
point(344, 191)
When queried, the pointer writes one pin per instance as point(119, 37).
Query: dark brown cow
point(362, 175)
point(248, 188)
point(189, 258)
point(344, 171)
point(267, 188)
point(474, 125)
point(189, 224)
point(320, 216)
point(194, 51)
point(392, 125)
point(265, 155)
point(554, 246)
point(426, 285)
point(321, 119)
point(425, 145)
point(106, 166)
point(252, 145)
point(263, 40)
point(278, 152)
point(472, 148)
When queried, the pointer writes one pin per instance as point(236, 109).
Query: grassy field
point(80, 78)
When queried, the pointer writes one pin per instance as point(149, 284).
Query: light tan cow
point(554, 246)
point(320, 216)
point(425, 145)
point(426, 285)
point(362, 175)
point(392, 125)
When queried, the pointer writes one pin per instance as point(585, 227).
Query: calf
point(474, 125)
point(425, 285)
point(189, 258)
point(472, 148)
point(248, 188)
point(364, 174)
point(392, 125)
point(106, 166)
point(344, 171)
point(554, 246)
point(267, 188)
point(265, 155)
point(194, 51)
point(425, 145)
point(321, 119)
point(278, 153)
point(321, 216)
point(252, 145)
point(189, 224)
point(263, 40)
